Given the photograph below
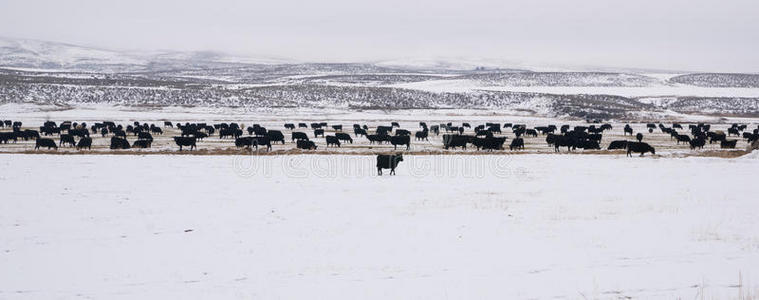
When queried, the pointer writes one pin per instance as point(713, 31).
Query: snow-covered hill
point(56, 73)
point(43, 55)
point(59, 56)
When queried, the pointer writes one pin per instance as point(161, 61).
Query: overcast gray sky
point(667, 34)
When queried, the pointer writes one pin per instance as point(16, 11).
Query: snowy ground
point(325, 227)
point(661, 90)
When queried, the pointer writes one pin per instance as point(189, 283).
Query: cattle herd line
point(488, 136)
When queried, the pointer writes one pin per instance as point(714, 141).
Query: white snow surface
point(326, 227)
point(660, 90)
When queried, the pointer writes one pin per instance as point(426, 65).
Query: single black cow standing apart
point(385, 161)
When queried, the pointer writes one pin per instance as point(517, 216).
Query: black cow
point(245, 141)
point(318, 132)
point(401, 140)
point(157, 130)
point(489, 143)
point(728, 144)
point(253, 141)
point(67, 139)
point(185, 142)
point(402, 132)
point(119, 133)
point(628, 129)
point(385, 161)
point(517, 143)
point(332, 140)
point(716, 136)
point(85, 142)
point(588, 145)
point(518, 130)
point(639, 147)
point(421, 135)
point(551, 138)
point(697, 143)
point(733, 131)
point(531, 132)
point(262, 141)
point(486, 133)
point(453, 141)
point(49, 143)
point(337, 127)
point(682, 138)
point(119, 143)
point(276, 136)
point(344, 137)
point(359, 131)
point(200, 135)
point(21, 135)
point(145, 136)
point(168, 124)
point(639, 137)
point(54, 130)
point(379, 139)
point(306, 145)
point(290, 126)
point(79, 132)
point(6, 136)
point(142, 143)
point(617, 145)
point(258, 130)
point(568, 141)
point(224, 132)
point(747, 135)
point(394, 124)
point(435, 129)
point(34, 134)
point(383, 130)
point(299, 136)
point(302, 125)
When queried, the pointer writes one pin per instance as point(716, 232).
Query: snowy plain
point(326, 227)
point(659, 90)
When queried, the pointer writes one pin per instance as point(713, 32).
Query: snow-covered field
point(660, 90)
point(325, 227)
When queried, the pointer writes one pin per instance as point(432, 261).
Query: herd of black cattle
point(487, 136)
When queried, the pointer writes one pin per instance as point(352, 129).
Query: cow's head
point(399, 157)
